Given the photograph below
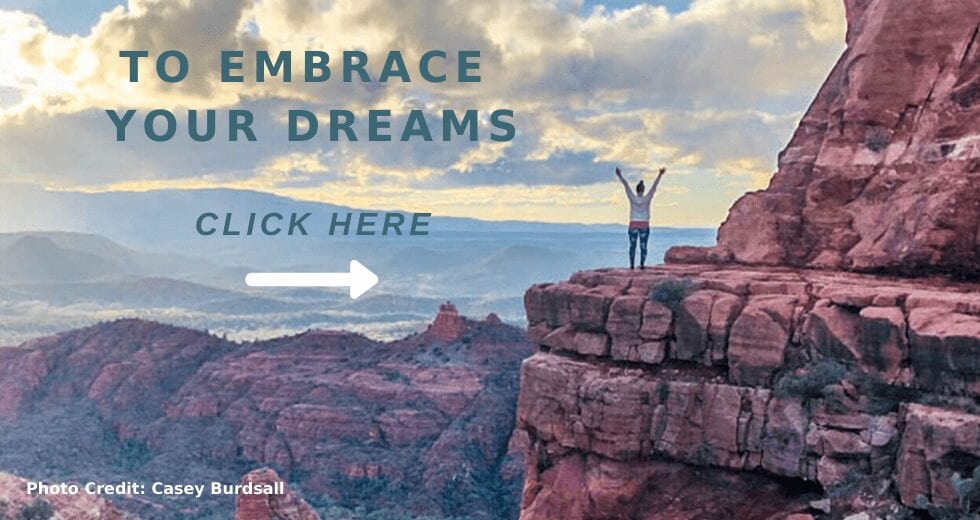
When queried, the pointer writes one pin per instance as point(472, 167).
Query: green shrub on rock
point(671, 292)
point(811, 383)
point(39, 509)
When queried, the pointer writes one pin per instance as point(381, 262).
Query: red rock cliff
point(883, 173)
point(762, 377)
point(856, 388)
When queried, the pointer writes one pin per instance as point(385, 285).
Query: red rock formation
point(271, 507)
point(808, 375)
point(882, 173)
point(448, 325)
point(865, 385)
point(388, 425)
point(14, 499)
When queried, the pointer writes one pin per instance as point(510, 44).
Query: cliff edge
point(808, 385)
point(823, 359)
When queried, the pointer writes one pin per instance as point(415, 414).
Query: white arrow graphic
point(359, 279)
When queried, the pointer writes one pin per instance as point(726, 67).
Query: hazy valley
point(147, 261)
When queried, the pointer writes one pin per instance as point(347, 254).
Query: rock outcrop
point(849, 383)
point(883, 173)
point(448, 324)
point(262, 506)
point(418, 426)
point(768, 355)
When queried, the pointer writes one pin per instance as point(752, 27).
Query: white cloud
point(716, 88)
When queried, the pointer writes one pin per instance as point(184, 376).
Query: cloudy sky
point(710, 88)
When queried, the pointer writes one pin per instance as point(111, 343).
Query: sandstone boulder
point(759, 338)
point(586, 343)
point(785, 437)
point(785, 359)
point(639, 329)
point(874, 338)
point(702, 324)
point(657, 320)
point(936, 443)
point(944, 342)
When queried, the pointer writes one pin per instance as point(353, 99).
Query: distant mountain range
point(152, 217)
point(72, 258)
point(80, 257)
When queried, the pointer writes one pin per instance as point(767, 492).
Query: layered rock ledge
point(867, 386)
point(817, 377)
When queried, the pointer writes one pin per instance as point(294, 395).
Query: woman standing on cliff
point(639, 215)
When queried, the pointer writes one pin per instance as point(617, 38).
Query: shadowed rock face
point(347, 420)
point(883, 173)
point(799, 384)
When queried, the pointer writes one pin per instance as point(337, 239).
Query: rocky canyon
point(420, 426)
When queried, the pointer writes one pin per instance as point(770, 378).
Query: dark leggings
point(643, 235)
